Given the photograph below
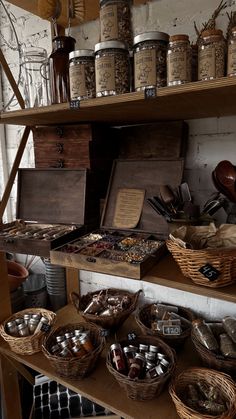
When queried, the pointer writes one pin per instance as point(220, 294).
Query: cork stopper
point(197, 322)
point(211, 32)
point(179, 38)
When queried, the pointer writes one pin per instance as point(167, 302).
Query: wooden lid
point(52, 195)
point(211, 32)
point(179, 38)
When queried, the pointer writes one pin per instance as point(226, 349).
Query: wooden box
point(134, 178)
point(58, 203)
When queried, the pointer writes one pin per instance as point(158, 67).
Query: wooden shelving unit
point(100, 386)
point(203, 99)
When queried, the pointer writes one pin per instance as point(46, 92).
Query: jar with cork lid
point(231, 61)
point(115, 21)
point(179, 60)
point(211, 55)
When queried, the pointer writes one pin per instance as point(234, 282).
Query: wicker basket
point(143, 318)
point(74, 367)
point(145, 389)
point(216, 379)
point(212, 360)
point(190, 261)
point(106, 322)
point(27, 345)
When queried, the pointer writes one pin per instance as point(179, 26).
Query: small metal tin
point(60, 339)
point(33, 323)
point(65, 344)
point(23, 330)
point(150, 356)
point(153, 349)
point(160, 356)
point(143, 348)
point(19, 321)
point(149, 366)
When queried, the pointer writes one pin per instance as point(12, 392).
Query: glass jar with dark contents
point(115, 21)
point(117, 357)
point(82, 74)
point(137, 367)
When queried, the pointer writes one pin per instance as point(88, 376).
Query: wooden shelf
point(167, 273)
point(205, 99)
point(100, 386)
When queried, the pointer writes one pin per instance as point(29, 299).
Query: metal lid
point(11, 323)
point(126, 350)
point(81, 53)
point(115, 346)
point(153, 348)
point(143, 347)
point(140, 356)
point(151, 36)
point(22, 326)
point(109, 45)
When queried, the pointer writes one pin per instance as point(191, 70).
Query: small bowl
point(16, 274)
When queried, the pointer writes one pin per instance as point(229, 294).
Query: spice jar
point(82, 74)
point(137, 366)
point(23, 330)
point(229, 324)
point(33, 323)
point(211, 55)
point(78, 351)
point(59, 68)
point(129, 354)
point(115, 21)
point(12, 328)
point(43, 321)
point(205, 335)
point(179, 60)
point(111, 68)
point(231, 62)
point(117, 357)
point(86, 342)
point(150, 50)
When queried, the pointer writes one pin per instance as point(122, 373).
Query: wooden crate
point(130, 174)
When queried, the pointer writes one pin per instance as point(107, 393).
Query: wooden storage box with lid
point(131, 237)
point(53, 206)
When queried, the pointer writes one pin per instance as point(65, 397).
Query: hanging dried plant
point(211, 23)
point(232, 23)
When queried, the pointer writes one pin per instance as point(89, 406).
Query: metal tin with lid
point(150, 50)
point(82, 74)
point(111, 68)
point(115, 21)
point(179, 60)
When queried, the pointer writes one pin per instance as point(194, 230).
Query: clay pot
point(16, 274)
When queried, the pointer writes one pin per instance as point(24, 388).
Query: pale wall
point(210, 140)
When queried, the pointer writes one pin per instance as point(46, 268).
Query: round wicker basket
point(143, 318)
point(145, 389)
point(74, 367)
point(190, 261)
point(216, 379)
point(27, 345)
point(212, 360)
point(106, 322)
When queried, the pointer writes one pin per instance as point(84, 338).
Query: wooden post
point(72, 281)
point(11, 80)
point(10, 390)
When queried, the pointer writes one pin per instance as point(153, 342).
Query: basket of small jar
point(24, 331)
point(202, 393)
point(170, 323)
point(74, 349)
point(215, 343)
point(108, 308)
point(142, 366)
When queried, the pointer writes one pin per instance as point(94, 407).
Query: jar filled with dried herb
point(231, 62)
point(205, 336)
point(150, 50)
point(111, 68)
point(82, 74)
point(211, 55)
point(179, 60)
point(115, 21)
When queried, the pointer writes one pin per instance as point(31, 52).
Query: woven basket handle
point(74, 298)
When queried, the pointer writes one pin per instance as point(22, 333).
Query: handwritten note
point(128, 209)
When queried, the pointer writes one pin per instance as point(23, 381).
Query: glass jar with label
point(211, 55)
point(150, 50)
point(111, 68)
point(231, 62)
point(115, 21)
point(82, 74)
point(179, 60)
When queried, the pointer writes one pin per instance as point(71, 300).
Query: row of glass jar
point(159, 60)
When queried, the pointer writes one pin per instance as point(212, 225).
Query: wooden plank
point(204, 99)
point(10, 390)
point(72, 282)
point(14, 169)
point(100, 384)
point(11, 80)
point(5, 302)
point(22, 370)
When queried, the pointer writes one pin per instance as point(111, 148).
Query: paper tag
point(46, 327)
point(75, 104)
point(131, 336)
point(150, 92)
point(128, 209)
point(171, 330)
point(209, 272)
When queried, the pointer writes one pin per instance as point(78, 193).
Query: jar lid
point(81, 53)
point(110, 44)
point(151, 36)
point(211, 32)
point(22, 326)
point(140, 356)
point(115, 346)
point(124, 1)
point(180, 37)
point(233, 30)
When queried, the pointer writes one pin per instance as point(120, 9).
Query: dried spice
point(227, 346)
point(205, 335)
point(179, 60)
point(204, 398)
point(211, 55)
point(115, 21)
point(82, 74)
point(231, 61)
point(111, 68)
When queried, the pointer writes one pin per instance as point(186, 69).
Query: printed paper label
point(105, 74)
point(231, 69)
point(206, 63)
point(109, 26)
point(145, 68)
point(77, 81)
point(177, 66)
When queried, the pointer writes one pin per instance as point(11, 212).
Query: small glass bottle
point(117, 357)
point(179, 60)
point(137, 367)
point(78, 351)
point(43, 321)
point(111, 68)
point(59, 68)
point(150, 50)
point(33, 323)
point(211, 55)
point(231, 62)
point(129, 354)
point(23, 330)
point(82, 74)
point(155, 372)
point(143, 348)
point(205, 335)
point(229, 324)
point(12, 328)
point(115, 21)
point(86, 342)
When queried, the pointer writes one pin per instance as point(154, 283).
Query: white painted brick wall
point(210, 140)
